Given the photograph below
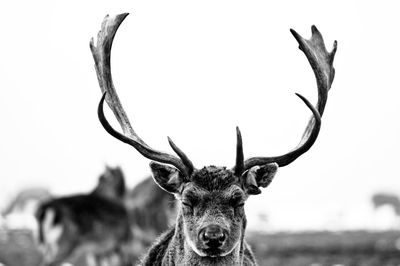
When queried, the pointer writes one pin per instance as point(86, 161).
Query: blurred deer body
point(26, 200)
point(211, 221)
point(96, 224)
point(19, 213)
point(151, 211)
point(382, 199)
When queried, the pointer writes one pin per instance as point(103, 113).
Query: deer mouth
point(214, 252)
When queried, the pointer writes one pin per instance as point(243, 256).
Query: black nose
point(212, 236)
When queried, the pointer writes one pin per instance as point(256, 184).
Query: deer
point(382, 199)
point(151, 211)
point(19, 212)
point(211, 221)
point(95, 225)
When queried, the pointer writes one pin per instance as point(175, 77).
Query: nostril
point(213, 234)
point(223, 237)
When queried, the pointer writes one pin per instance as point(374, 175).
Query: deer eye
point(239, 205)
point(187, 204)
point(237, 202)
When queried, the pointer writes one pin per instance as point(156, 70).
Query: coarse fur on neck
point(171, 248)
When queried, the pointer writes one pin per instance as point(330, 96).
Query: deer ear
point(166, 177)
point(258, 176)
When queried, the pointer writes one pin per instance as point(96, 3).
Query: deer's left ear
point(258, 176)
point(167, 177)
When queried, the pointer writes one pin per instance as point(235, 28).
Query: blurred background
point(193, 71)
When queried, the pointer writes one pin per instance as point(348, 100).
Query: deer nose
point(213, 236)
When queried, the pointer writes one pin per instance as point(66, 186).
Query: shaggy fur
point(214, 178)
point(217, 198)
point(166, 249)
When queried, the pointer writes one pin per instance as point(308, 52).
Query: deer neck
point(180, 252)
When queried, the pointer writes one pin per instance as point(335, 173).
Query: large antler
point(102, 55)
point(321, 62)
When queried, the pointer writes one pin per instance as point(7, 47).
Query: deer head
point(211, 215)
point(111, 184)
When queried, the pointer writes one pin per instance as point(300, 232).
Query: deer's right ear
point(167, 177)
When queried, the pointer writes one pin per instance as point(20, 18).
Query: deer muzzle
point(213, 237)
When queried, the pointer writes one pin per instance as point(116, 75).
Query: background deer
point(151, 212)
point(95, 224)
point(20, 211)
point(211, 221)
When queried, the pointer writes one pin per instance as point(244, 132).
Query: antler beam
point(102, 57)
point(321, 62)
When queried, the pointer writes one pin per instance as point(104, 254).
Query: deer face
point(211, 206)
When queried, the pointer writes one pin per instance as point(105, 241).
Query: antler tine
point(321, 62)
point(239, 153)
point(189, 165)
point(102, 58)
point(102, 55)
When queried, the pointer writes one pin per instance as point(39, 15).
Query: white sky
point(193, 70)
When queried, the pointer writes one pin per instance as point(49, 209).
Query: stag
point(95, 225)
point(210, 225)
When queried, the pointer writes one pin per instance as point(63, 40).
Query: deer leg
point(91, 260)
point(64, 253)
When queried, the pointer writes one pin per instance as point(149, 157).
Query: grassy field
point(352, 248)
